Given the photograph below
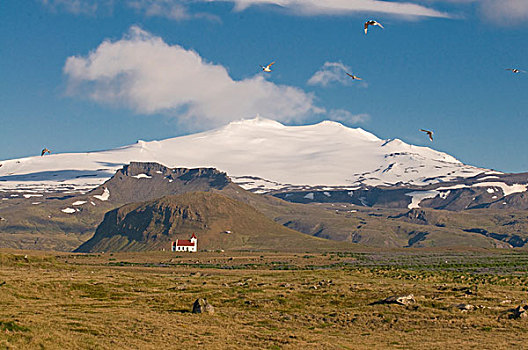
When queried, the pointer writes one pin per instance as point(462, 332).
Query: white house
point(184, 245)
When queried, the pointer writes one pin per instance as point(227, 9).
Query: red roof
point(184, 243)
point(193, 236)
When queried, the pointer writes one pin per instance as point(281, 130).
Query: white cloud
point(178, 9)
point(161, 8)
point(73, 6)
point(342, 7)
point(172, 9)
point(504, 12)
point(331, 72)
point(344, 116)
point(144, 73)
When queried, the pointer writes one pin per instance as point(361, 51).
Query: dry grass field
point(262, 300)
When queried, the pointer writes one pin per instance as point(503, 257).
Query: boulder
point(201, 306)
point(464, 307)
point(400, 300)
point(519, 312)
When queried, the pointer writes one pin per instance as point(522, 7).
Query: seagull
point(353, 76)
point(371, 23)
point(44, 151)
point(515, 70)
point(268, 67)
point(428, 132)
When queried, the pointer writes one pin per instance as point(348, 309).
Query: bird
point(268, 67)
point(515, 70)
point(428, 132)
point(44, 151)
point(353, 76)
point(372, 23)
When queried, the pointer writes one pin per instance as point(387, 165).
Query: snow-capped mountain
point(259, 154)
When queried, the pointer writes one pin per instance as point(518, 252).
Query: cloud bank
point(149, 76)
point(341, 7)
point(505, 12)
point(179, 9)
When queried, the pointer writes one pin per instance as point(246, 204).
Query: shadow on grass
point(179, 311)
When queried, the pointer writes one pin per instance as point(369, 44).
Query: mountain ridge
point(259, 153)
point(219, 222)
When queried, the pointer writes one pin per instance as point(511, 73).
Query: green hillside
point(153, 224)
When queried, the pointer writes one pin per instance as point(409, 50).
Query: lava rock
point(201, 306)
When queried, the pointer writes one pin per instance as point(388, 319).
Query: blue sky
point(83, 75)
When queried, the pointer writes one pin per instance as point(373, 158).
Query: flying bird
point(268, 67)
point(515, 70)
point(353, 76)
point(428, 132)
point(44, 151)
point(372, 23)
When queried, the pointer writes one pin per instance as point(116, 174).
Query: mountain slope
point(259, 154)
point(376, 217)
point(152, 225)
point(52, 221)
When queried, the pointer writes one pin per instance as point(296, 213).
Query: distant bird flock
point(366, 26)
point(354, 77)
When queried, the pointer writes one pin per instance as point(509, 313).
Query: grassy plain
point(262, 300)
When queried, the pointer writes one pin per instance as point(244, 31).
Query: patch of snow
point(79, 203)
point(142, 176)
point(36, 203)
point(327, 194)
point(494, 197)
point(309, 196)
point(455, 187)
point(92, 203)
point(488, 178)
point(250, 183)
point(326, 154)
point(506, 189)
point(103, 197)
point(14, 195)
point(490, 190)
point(418, 196)
point(444, 194)
point(32, 195)
point(68, 210)
point(159, 172)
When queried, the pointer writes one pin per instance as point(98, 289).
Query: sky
point(86, 75)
